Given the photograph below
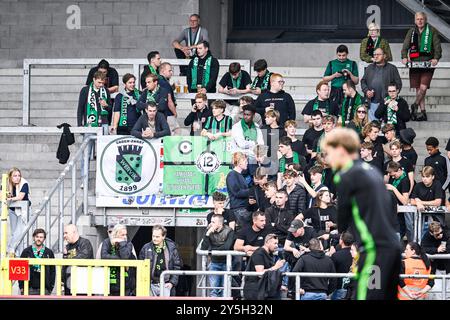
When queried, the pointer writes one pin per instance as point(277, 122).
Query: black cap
point(295, 225)
point(407, 135)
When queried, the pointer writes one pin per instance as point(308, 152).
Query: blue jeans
point(372, 108)
point(409, 224)
point(339, 294)
point(17, 226)
point(215, 280)
point(313, 296)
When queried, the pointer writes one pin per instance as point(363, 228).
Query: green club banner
point(195, 165)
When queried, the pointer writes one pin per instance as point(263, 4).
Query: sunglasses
point(281, 82)
point(361, 111)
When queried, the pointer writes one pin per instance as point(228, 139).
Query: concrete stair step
point(430, 125)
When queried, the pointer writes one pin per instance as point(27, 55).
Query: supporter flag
point(195, 165)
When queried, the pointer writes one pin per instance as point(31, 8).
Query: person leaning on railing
point(38, 250)
point(118, 247)
point(437, 241)
point(18, 190)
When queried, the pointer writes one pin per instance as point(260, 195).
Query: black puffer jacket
point(172, 259)
point(297, 199)
point(281, 218)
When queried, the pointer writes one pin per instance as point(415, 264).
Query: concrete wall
point(109, 28)
point(304, 54)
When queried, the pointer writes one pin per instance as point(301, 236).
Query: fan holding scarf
point(421, 44)
point(203, 70)
point(94, 104)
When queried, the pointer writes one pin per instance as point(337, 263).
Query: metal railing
point(142, 275)
point(229, 254)
point(298, 275)
point(57, 191)
point(136, 63)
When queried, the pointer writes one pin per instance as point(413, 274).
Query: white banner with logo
point(127, 167)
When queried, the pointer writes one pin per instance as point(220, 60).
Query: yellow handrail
point(142, 274)
point(4, 287)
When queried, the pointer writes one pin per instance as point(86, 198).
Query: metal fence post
point(228, 279)
point(444, 287)
point(203, 282)
point(48, 222)
point(73, 202)
point(86, 176)
point(297, 287)
point(26, 93)
point(61, 216)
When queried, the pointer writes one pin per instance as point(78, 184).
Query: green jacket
point(384, 44)
point(436, 53)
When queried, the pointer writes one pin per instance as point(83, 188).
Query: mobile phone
point(444, 243)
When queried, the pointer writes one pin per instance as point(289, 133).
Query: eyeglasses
point(361, 111)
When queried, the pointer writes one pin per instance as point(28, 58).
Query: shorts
point(419, 77)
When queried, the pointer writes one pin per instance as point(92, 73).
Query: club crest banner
point(127, 166)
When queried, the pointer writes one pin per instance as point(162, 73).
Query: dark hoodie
point(281, 101)
point(316, 261)
point(161, 127)
point(214, 73)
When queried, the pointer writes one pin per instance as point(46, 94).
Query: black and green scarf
point(38, 254)
point(151, 95)
point(327, 106)
point(295, 159)
point(391, 114)
point(206, 72)
point(91, 107)
point(123, 120)
point(426, 39)
point(347, 112)
point(265, 83)
point(396, 182)
point(236, 82)
point(160, 264)
point(372, 45)
point(250, 132)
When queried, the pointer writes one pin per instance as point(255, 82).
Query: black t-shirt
point(425, 193)
point(376, 164)
point(342, 260)
point(302, 240)
point(317, 217)
point(327, 107)
point(252, 238)
point(310, 136)
point(404, 162)
point(259, 258)
point(226, 80)
point(403, 186)
point(411, 155)
point(299, 147)
point(228, 217)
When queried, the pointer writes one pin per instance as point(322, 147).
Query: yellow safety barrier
point(4, 230)
point(142, 274)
